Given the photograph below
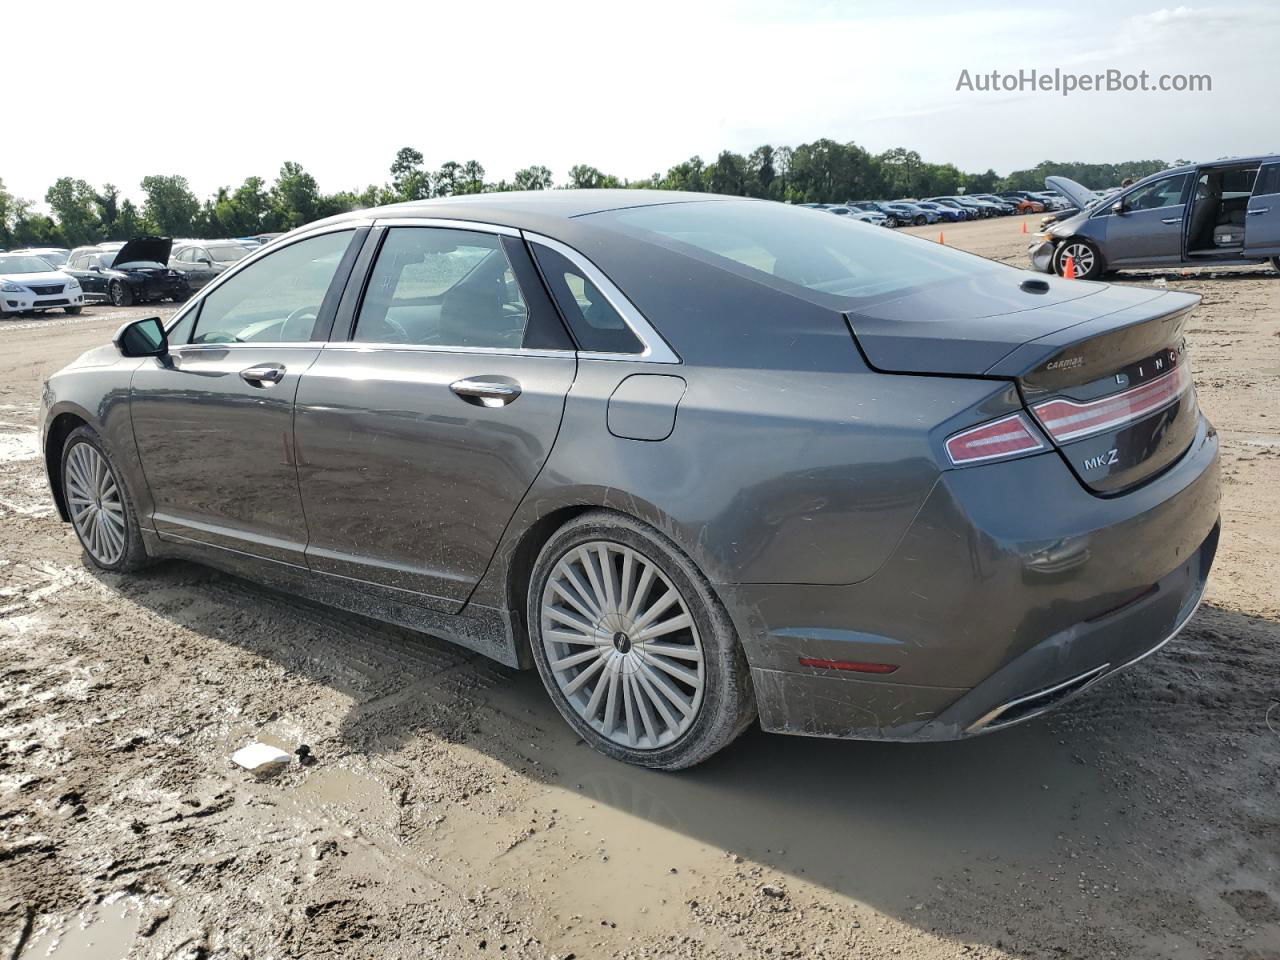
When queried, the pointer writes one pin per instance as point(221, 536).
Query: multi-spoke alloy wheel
point(99, 505)
point(95, 504)
point(622, 645)
point(634, 646)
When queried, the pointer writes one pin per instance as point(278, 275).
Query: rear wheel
point(633, 646)
point(1275, 262)
point(121, 295)
point(1087, 257)
point(98, 502)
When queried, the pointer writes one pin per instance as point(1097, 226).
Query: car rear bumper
point(1013, 590)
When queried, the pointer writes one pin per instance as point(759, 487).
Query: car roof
point(528, 209)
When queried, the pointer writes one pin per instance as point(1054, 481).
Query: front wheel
point(920, 221)
point(101, 510)
point(1087, 257)
point(121, 294)
point(1275, 262)
point(633, 646)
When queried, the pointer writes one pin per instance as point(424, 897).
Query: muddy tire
point(101, 509)
point(644, 665)
point(121, 295)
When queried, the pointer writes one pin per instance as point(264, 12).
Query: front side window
point(275, 300)
point(434, 286)
point(1162, 193)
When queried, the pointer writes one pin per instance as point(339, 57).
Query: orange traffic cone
point(1069, 268)
point(1024, 226)
point(941, 238)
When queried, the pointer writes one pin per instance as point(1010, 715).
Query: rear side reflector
point(1006, 437)
point(1067, 420)
point(854, 665)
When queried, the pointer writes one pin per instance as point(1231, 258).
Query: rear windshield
point(836, 256)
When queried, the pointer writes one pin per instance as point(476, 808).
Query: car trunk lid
point(1102, 369)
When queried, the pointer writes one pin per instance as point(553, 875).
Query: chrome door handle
point(1172, 220)
point(263, 375)
point(486, 391)
point(1254, 213)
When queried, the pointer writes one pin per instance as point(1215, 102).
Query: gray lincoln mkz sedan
point(698, 460)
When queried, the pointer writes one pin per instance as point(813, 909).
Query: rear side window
point(442, 287)
point(596, 325)
point(1268, 180)
point(841, 258)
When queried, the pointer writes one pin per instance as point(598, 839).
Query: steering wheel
point(299, 324)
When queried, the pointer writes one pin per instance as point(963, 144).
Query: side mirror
point(95, 269)
point(142, 338)
point(1118, 207)
point(206, 261)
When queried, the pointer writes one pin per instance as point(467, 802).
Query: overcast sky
point(219, 91)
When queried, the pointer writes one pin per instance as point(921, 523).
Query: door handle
point(1254, 213)
point(1171, 220)
point(486, 391)
point(263, 375)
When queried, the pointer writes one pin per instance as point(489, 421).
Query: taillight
point(1007, 437)
point(1067, 420)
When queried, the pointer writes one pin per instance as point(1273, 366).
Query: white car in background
point(32, 283)
point(56, 256)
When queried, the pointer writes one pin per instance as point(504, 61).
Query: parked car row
point(143, 269)
point(951, 209)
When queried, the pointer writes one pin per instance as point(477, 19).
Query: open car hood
point(144, 249)
point(1079, 196)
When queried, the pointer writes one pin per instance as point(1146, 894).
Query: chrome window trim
point(303, 233)
point(360, 346)
point(185, 348)
point(474, 226)
point(655, 349)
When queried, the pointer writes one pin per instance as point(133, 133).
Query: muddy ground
point(450, 813)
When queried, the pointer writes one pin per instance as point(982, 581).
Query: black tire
point(134, 554)
point(1275, 262)
point(920, 220)
point(727, 704)
point(74, 311)
point(121, 294)
point(1097, 266)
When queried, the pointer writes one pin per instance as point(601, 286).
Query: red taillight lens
point(856, 666)
point(1006, 437)
point(1070, 420)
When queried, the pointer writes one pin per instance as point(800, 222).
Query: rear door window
point(442, 287)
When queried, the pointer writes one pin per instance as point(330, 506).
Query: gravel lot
point(450, 813)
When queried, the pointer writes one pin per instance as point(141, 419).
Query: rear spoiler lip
point(1032, 354)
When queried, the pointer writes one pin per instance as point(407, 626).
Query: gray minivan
point(1203, 214)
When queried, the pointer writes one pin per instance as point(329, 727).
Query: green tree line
point(823, 171)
